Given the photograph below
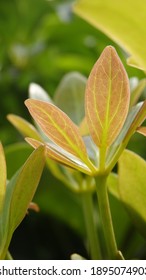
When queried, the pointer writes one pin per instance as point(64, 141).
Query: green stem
point(106, 218)
point(102, 156)
point(91, 230)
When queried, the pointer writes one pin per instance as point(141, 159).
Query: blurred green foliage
point(40, 42)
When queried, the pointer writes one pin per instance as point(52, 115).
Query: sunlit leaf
point(107, 98)
point(59, 128)
point(37, 92)
point(132, 178)
point(60, 155)
point(69, 96)
point(142, 130)
point(123, 21)
point(24, 127)
point(137, 91)
point(3, 177)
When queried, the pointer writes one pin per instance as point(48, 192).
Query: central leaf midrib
point(106, 123)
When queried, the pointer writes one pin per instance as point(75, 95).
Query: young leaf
point(60, 155)
point(123, 21)
point(142, 130)
point(70, 94)
point(132, 178)
point(25, 128)
point(59, 128)
point(3, 177)
point(107, 98)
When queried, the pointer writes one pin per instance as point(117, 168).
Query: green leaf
point(142, 130)
point(124, 22)
point(37, 92)
point(59, 128)
point(25, 187)
point(24, 127)
point(132, 178)
point(3, 177)
point(19, 193)
point(70, 94)
point(107, 98)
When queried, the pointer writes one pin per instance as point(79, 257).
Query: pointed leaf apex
point(107, 98)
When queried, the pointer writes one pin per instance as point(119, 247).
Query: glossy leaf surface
point(132, 179)
point(123, 21)
point(107, 98)
point(54, 152)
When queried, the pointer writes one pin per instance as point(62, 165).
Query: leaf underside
point(54, 152)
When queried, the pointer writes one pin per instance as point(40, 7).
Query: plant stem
point(106, 218)
point(91, 229)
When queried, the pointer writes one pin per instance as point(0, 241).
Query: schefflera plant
point(16, 195)
point(107, 99)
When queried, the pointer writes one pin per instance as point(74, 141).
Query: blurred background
point(41, 41)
